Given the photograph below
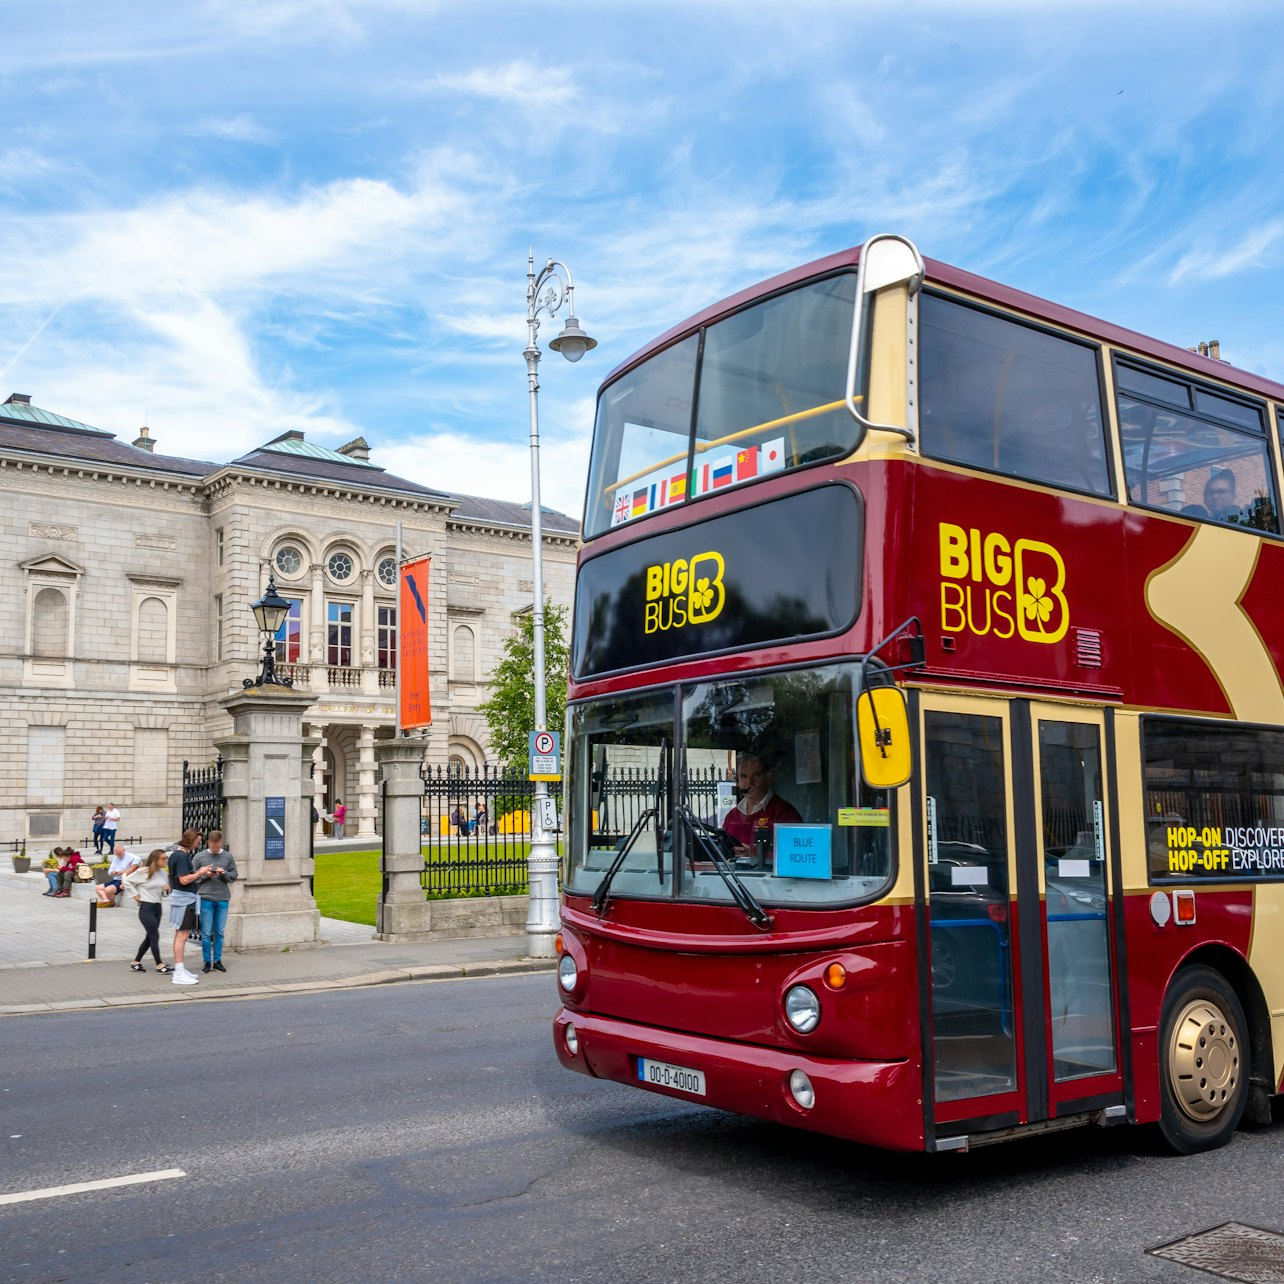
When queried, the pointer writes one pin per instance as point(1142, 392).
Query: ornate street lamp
point(545, 293)
point(269, 611)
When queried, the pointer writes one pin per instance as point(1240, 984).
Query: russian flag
point(747, 463)
point(723, 473)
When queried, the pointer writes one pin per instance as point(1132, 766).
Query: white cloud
point(235, 129)
point(1216, 257)
point(519, 83)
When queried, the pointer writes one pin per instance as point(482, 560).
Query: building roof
point(294, 443)
point(502, 512)
point(30, 430)
point(331, 467)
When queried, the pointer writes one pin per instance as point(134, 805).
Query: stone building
point(126, 578)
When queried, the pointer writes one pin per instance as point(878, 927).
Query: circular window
point(387, 572)
point(340, 567)
point(289, 561)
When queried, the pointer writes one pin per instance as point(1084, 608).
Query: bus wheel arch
point(1208, 1055)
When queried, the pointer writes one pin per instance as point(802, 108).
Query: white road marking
point(107, 1183)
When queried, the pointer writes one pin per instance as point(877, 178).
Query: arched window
point(49, 624)
point(153, 631)
point(464, 655)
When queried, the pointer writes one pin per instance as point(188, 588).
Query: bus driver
point(752, 819)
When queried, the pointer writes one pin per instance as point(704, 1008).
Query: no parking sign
point(545, 755)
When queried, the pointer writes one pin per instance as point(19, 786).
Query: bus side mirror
point(882, 724)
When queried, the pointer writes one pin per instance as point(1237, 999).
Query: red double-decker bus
point(926, 736)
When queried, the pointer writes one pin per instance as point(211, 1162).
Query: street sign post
point(545, 755)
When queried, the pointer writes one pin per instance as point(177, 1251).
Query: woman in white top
point(147, 884)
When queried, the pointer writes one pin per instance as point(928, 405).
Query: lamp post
point(546, 292)
point(269, 611)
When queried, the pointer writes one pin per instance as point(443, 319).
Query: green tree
point(510, 710)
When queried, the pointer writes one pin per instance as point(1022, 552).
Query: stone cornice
point(229, 479)
point(518, 534)
point(57, 466)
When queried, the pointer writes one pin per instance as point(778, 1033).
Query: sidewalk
point(44, 966)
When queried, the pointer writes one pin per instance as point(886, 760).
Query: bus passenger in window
point(759, 810)
point(1219, 497)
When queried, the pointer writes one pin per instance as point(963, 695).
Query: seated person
point(759, 810)
point(67, 870)
point(121, 863)
point(1219, 496)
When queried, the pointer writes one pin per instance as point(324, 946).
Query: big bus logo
point(685, 591)
point(991, 586)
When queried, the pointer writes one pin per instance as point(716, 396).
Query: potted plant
point(100, 871)
point(21, 861)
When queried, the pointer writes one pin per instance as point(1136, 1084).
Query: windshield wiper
point(706, 838)
point(602, 895)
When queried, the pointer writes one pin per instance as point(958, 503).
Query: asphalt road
point(426, 1132)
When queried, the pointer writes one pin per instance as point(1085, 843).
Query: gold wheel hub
point(1203, 1060)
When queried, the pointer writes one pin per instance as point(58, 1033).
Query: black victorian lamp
point(269, 612)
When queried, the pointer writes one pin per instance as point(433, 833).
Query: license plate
point(661, 1074)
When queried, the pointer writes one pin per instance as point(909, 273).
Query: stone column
point(403, 913)
point(317, 633)
point(265, 756)
point(366, 784)
point(318, 771)
point(369, 673)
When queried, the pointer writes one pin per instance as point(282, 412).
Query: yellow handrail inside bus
point(702, 446)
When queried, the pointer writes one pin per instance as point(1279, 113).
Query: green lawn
point(346, 884)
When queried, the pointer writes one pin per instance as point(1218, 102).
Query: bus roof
point(982, 288)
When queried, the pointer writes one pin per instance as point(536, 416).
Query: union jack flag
point(623, 509)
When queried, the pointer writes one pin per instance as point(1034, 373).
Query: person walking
point(100, 814)
point(111, 819)
point(147, 883)
point(183, 872)
point(340, 815)
point(215, 895)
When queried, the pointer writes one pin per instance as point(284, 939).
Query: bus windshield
point(764, 393)
point(769, 761)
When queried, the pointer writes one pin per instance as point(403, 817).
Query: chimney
point(19, 399)
point(143, 441)
point(1215, 349)
point(357, 448)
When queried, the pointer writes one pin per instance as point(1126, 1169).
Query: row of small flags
point(661, 489)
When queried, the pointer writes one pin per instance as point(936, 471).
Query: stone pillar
point(366, 784)
point(369, 673)
point(265, 757)
point(402, 913)
point(318, 771)
point(317, 633)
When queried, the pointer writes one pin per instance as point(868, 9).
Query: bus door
point(1019, 1006)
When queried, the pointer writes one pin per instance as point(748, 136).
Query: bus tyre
point(1204, 1062)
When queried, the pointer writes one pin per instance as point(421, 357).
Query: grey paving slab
point(44, 964)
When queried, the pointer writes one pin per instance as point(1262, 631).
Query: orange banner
point(412, 646)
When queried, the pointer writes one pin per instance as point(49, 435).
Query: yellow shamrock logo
point(1037, 607)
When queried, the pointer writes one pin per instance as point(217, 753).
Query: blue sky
point(232, 218)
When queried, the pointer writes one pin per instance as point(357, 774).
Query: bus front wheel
point(1205, 1061)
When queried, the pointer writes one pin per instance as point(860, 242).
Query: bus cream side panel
point(902, 892)
point(888, 356)
point(1197, 597)
point(1132, 803)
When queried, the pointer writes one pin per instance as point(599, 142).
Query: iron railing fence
point(203, 797)
point(475, 823)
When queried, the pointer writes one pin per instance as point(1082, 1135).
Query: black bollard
point(93, 930)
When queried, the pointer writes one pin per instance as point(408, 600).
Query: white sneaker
point(185, 978)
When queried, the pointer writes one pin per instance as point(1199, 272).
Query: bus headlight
point(567, 973)
point(802, 1009)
